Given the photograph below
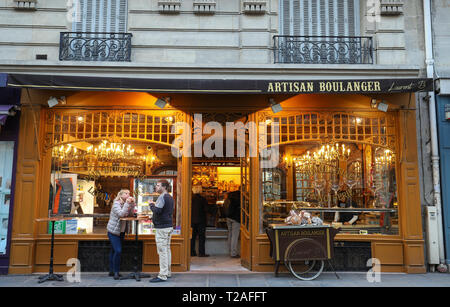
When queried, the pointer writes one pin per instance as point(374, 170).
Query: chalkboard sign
point(63, 197)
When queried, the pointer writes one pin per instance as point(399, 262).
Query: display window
point(337, 167)
point(96, 154)
point(6, 160)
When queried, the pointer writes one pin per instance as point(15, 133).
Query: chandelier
point(107, 151)
point(324, 158)
point(385, 158)
point(104, 155)
point(67, 152)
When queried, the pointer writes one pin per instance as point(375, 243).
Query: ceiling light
point(276, 107)
point(373, 103)
point(52, 101)
point(383, 107)
point(162, 102)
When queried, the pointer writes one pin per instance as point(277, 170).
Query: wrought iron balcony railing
point(323, 49)
point(95, 46)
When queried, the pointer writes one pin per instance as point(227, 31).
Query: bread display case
point(369, 221)
point(145, 194)
point(350, 185)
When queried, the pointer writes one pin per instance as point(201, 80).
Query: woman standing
point(123, 206)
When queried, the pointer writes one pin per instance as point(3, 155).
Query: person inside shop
point(347, 218)
point(123, 206)
point(198, 221)
point(234, 222)
point(163, 223)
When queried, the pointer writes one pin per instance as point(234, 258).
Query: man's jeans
point(198, 230)
point(162, 238)
point(234, 229)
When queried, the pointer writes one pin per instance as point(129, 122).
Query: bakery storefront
point(344, 151)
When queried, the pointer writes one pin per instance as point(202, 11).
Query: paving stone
point(237, 279)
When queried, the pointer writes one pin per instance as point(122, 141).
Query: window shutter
point(318, 17)
point(296, 20)
point(351, 18)
point(100, 16)
point(285, 20)
point(122, 16)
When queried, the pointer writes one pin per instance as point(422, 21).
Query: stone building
point(230, 60)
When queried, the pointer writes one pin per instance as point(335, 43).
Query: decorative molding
point(169, 6)
point(205, 6)
point(254, 6)
point(391, 7)
point(29, 5)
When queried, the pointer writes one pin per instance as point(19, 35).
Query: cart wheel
point(303, 269)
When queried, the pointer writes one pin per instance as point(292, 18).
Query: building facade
point(345, 73)
point(441, 66)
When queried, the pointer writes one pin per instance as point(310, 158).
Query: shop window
point(338, 167)
point(97, 154)
point(6, 160)
point(273, 185)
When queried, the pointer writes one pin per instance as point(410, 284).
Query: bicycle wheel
point(303, 269)
point(306, 270)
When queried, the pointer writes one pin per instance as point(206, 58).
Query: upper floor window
point(100, 16)
point(319, 17)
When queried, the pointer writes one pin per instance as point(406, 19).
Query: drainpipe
point(433, 126)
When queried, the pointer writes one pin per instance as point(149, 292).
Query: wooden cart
point(303, 249)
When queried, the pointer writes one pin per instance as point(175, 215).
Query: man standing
point(162, 221)
point(198, 221)
point(234, 222)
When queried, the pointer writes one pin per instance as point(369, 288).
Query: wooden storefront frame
point(397, 253)
point(402, 253)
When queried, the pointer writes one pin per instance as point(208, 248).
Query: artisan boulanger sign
point(350, 86)
point(220, 86)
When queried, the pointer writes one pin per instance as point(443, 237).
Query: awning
point(220, 86)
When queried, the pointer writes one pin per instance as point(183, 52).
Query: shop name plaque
point(360, 86)
point(295, 233)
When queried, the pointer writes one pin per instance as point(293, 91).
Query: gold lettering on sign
point(294, 233)
point(290, 87)
point(326, 87)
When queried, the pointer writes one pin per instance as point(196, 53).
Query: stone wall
point(208, 31)
point(441, 36)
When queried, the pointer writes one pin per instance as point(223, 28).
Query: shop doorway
point(216, 181)
point(220, 167)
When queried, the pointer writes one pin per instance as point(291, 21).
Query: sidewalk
point(239, 279)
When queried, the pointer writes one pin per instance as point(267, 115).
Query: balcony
point(323, 50)
point(95, 46)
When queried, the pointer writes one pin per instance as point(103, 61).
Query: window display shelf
point(332, 209)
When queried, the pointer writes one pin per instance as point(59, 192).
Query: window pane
point(6, 160)
point(350, 184)
point(87, 175)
